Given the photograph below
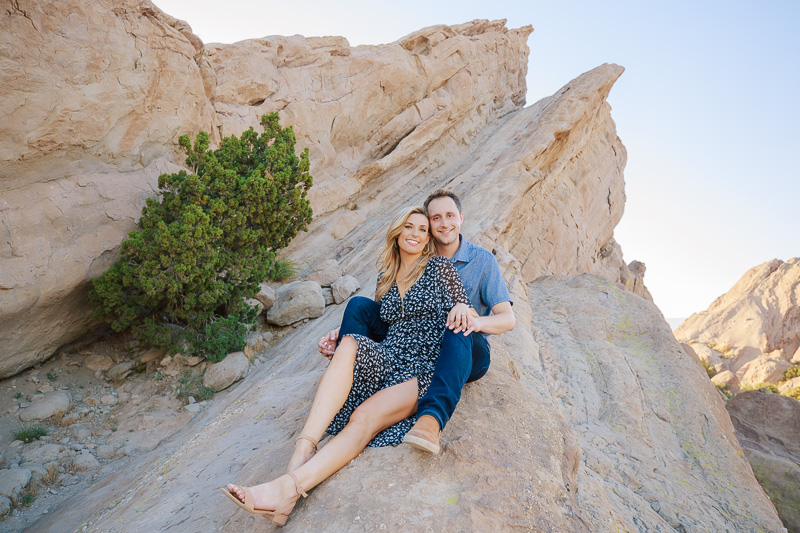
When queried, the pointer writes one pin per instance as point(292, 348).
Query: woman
point(416, 290)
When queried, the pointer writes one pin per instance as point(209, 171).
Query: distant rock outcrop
point(754, 329)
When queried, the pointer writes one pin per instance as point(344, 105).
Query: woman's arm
point(451, 282)
point(456, 297)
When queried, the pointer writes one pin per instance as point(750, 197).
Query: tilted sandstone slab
point(95, 96)
point(757, 322)
point(544, 183)
point(591, 418)
point(658, 449)
point(385, 125)
point(363, 110)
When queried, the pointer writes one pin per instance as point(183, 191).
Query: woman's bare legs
point(331, 394)
point(380, 411)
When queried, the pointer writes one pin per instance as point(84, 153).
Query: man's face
point(445, 220)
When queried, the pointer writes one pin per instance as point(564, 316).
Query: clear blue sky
point(708, 108)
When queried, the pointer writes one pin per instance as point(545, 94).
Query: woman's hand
point(476, 324)
point(327, 344)
point(459, 318)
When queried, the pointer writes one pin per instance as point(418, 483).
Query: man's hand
point(501, 320)
point(327, 344)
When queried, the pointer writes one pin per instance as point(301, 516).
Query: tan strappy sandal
point(309, 439)
point(279, 516)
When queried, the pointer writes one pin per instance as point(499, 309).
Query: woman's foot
point(279, 495)
point(304, 449)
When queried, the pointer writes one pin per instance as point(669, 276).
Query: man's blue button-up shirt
point(480, 274)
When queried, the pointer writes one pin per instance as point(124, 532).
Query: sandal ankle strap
point(309, 439)
point(297, 486)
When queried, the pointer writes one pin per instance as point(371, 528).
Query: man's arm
point(501, 320)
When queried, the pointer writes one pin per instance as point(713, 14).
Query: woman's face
point(414, 234)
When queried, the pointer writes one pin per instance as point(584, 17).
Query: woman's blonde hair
point(389, 260)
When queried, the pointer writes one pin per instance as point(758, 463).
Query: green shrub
point(25, 498)
point(763, 385)
point(710, 370)
point(52, 375)
point(791, 372)
point(201, 249)
point(726, 390)
point(223, 336)
point(282, 269)
point(29, 433)
point(725, 350)
point(191, 384)
point(794, 392)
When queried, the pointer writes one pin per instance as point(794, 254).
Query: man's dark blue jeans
point(362, 316)
point(462, 359)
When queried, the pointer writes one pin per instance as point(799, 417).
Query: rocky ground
point(100, 406)
point(586, 421)
point(85, 414)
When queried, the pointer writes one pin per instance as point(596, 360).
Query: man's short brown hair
point(442, 193)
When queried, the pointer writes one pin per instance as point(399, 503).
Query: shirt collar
point(463, 253)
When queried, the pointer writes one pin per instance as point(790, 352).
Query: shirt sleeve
point(493, 286)
point(451, 283)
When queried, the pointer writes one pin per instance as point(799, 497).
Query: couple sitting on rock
point(409, 351)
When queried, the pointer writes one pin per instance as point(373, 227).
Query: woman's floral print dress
point(411, 347)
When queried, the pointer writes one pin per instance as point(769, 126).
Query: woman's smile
point(415, 234)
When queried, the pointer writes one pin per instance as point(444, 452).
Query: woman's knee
point(345, 353)
point(366, 421)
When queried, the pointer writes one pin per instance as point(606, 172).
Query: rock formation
point(592, 417)
point(754, 327)
point(87, 132)
point(93, 99)
point(768, 428)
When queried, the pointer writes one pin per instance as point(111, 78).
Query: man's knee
point(456, 344)
point(358, 305)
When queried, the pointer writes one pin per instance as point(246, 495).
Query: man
point(465, 350)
